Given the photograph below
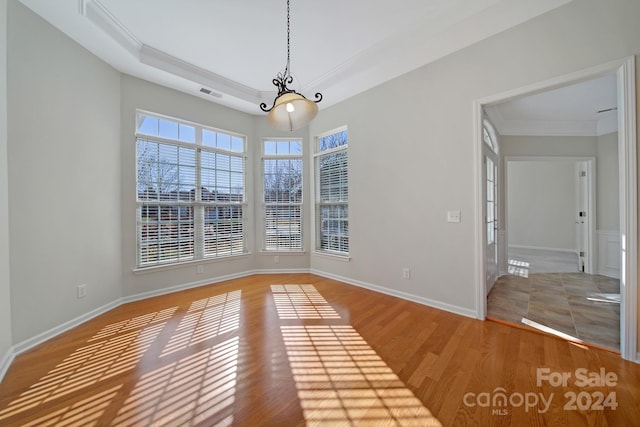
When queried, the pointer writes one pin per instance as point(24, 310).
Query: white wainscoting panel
point(609, 253)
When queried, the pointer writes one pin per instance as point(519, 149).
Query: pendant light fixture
point(290, 109)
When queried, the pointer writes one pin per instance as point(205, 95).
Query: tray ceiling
point(235, 48)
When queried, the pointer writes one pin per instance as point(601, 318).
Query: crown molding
point(171, 64)
point(602, 125)
point(98, 14)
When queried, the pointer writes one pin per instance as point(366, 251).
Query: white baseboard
point(30, 343)
point(544, 248)
point(182, 287)
point(6, 361)
point(64, 327)
point(403, 295)
point(55, 331)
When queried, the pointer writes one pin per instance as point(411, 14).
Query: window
point(489, 135)
point(332, 193)
point(190, 192)
point(282, 194)
point(492, 217)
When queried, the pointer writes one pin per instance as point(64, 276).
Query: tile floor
point(568, 302)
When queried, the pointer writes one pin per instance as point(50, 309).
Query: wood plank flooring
point(298, 349)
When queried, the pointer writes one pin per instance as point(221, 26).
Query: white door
point(491, 220)
point(490, 211)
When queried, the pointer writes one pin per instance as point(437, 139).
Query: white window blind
point(190, 192)
point(332, 193)
point(282, 195)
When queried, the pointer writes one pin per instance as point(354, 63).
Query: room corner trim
point(403, 295)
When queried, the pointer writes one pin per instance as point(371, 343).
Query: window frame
point(491, 201)
point(198, 234)
point(489, 135)
point(264, 203)
point(490, 138)
point(318, 204)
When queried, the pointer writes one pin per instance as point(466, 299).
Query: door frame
point(627, 151)
point(591, 217)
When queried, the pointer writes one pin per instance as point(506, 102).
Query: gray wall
point(604, 148)
point(541, 204)
point(544, 146)
point(70, 143)
point(64, 176)
point(520, 179)
point(607, 185)
point(411, 146)
point(5, 288)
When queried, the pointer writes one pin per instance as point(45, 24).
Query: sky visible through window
point(224, 172)
point(273, 148)
point(169, 129)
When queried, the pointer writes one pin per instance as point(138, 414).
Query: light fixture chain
point(288, 71)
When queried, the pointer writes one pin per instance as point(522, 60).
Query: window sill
point(163, 267)
point(294, 253)
point(343, 258)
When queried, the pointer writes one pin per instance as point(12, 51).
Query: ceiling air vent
point(210, 92)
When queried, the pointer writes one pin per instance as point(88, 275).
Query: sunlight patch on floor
point(518, 268)
point(550, 330)
point(197, 388)
point(341, 380)
point(301, 302)
point(117, 348)
point(205, 319)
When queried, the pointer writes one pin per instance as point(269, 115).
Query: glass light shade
point(291, 111)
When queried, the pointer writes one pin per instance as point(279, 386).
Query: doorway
point(550, 285)
point(624, 70)
point(550, 212)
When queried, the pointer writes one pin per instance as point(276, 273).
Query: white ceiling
point(583, 109)
point(235, 48)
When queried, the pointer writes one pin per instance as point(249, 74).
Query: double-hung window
point(191, 199)
point(282, 194)
point(332, 193)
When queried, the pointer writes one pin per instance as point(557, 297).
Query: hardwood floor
point(298, 349)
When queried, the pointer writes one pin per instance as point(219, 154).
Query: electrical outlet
point(453, 216)
point(276, 259)
point(199, 269)
point(82, 291)
point(406, 273)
